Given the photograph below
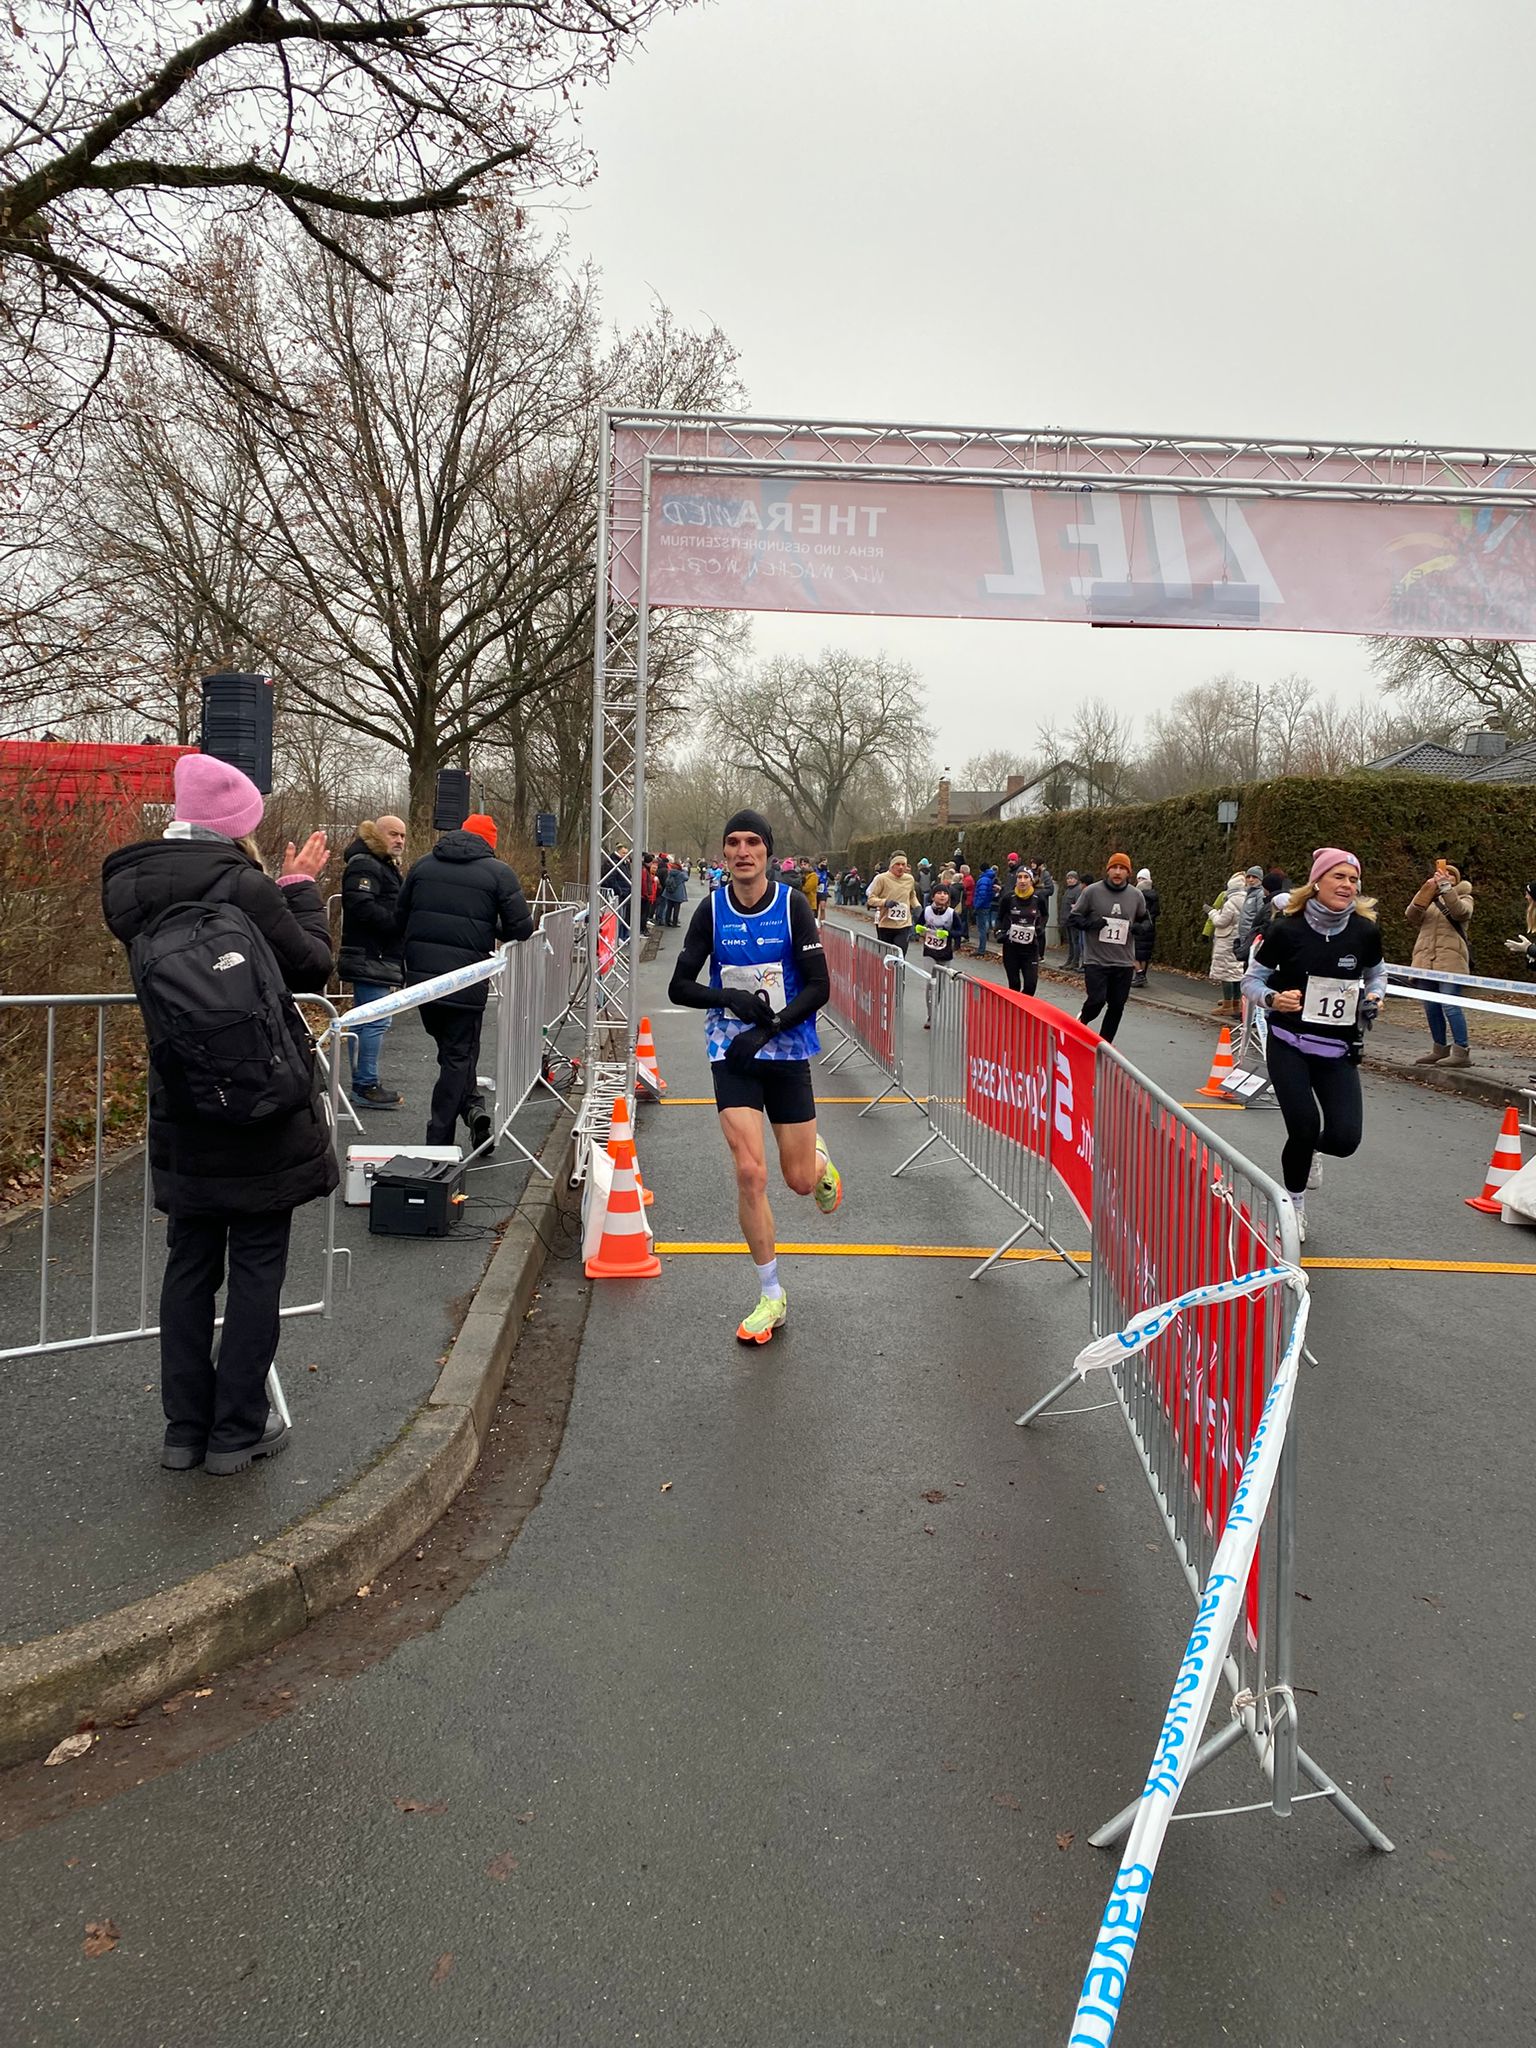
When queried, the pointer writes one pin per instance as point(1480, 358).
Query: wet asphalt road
point(789, 1754)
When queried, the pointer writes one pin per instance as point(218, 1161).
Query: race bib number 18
point(1329, 1000)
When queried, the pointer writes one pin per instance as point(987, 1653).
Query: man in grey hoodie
point(1107, 914)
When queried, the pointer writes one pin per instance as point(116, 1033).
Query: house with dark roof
point(1483, 755)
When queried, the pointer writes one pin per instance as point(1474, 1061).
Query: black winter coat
point(370, 926)
point(1144, 938)
point(459, 902)
point(203, 1168)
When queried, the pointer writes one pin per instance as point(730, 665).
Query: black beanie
point(748, 821)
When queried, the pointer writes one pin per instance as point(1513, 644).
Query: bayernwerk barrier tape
point(1098, 2006)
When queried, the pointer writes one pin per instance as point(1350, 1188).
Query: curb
point(109, 1666)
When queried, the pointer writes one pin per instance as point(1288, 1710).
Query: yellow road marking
point(680, 1249)
point(886, 1101)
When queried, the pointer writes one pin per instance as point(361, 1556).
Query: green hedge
point(1399, 825)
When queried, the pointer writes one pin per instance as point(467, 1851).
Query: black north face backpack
point(225, 1039)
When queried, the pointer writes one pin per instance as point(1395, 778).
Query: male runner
point(767, 979)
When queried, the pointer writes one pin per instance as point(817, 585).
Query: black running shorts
point(780, 1088)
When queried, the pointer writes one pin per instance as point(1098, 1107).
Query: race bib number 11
point(1116, 931)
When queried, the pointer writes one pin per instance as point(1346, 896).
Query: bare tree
point(123, 121)
point(991, 769)
point(814, 732)
point(1101, 741)
point(1462, 679)
point(410, 546)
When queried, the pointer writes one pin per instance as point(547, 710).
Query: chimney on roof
point(943, 803)
point(1015, 784)
point(1484, 742)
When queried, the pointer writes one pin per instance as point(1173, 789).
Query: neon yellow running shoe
point(829, 1189)
point(767, 1317)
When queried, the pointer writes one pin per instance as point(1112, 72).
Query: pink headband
point(1327, 857)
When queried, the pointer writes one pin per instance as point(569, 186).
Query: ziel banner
point(842, 543)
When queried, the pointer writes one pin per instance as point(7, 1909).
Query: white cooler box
point(361, 1160)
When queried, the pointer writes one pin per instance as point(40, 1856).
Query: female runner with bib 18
point(1320, 975)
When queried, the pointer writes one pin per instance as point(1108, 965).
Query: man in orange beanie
point(458, 903)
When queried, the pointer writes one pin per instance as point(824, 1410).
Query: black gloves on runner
point(750, 1005)
point(746, 1045)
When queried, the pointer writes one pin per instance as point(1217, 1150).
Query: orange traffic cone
point(647, 1073)
point(621, 1146)
point(624, 1251)
point(1504, 1165)
point(1221, 1066)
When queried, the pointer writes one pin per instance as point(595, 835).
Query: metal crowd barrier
point(1176, 1208)
point(991, 1098)
point(565, 971)
point(534, 982)
point(54, 1217)
point(868, 1006)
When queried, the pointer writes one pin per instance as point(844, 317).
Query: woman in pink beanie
point(229, 1188)
point(1320, 974)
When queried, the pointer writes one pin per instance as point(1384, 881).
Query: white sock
point(769, 1276)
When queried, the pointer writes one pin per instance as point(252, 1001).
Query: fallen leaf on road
point(1066, 1838)
point(71, 1862)
point(1277, 1898)
point(1101, 1489)
point(1440, 1856)
point(311, 1368)
point(66, 1751)
point(101, 1937)
point(947, 1767)
point(523, 1819)
point(404, 1804)
point(441, 1969)
point(204, 1692)
point(666, 1486)
point(927, 1528)
point(364, 1591)
point(1005, 1799)
point(935, 1496)
point(501, 1867)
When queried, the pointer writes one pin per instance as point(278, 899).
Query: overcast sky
point(1158, 215)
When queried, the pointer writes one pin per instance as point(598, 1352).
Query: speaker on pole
point(451, 804)
point(237, 723)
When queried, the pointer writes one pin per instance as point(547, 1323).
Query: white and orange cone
point(1504, 1165)
point(647, 1073)
point(621, 1146)
point(624, 1250)
point(1221, 1066)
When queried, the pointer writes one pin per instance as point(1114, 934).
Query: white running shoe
point(1299, 1209)
point(1315, 1177)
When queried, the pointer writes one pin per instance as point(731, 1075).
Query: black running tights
point(1320, 1101)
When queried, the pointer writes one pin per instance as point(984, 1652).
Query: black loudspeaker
point(546, 828)
point(450, 807)
point(237, 724)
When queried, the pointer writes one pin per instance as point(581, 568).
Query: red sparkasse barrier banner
point(874, 1012)
point(950, 550)
point(838, 947)
point(1024, 1061)
point(1165, 1230)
